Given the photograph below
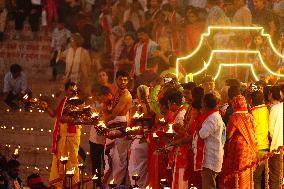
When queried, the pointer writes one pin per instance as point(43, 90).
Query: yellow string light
point(210, 28)
point(233, 65)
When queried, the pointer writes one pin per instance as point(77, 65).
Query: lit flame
point(137, 115)
point(155, 135)
point(81, 165)
point(74, 98)
point(16, 152)
point(135, 128)
point(95, 177)
point(170, 129)
point(34, 99)
point(71, 172)
point(52, 95)
point(163, 180)
point(62, 158)
point(111, 182)
point(101, 124)
point(162, 119)
point(94, 114)
point(89, 106)
point(26, 96)
point(136, 175)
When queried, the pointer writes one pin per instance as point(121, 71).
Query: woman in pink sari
point(240, 147)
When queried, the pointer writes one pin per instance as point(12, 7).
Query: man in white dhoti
point(118, 147)
point(138, 159)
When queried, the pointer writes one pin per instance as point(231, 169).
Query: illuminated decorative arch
point(236, 64)
point(206, 64)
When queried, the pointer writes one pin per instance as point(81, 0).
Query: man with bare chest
point(116, 157)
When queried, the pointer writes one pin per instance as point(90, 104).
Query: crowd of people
point(193, 136)
point(144, 36)
point(123, 53)
point(10, 176)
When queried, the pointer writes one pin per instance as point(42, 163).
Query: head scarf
point(239, 103)
point(143, 91)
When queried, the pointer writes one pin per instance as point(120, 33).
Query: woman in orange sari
point(240, 148)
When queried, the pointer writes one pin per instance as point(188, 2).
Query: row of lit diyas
point(136, 178)
point(28, 129)
point(69, 174)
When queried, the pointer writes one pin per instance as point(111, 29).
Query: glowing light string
point(236, 64)
point(210, 28)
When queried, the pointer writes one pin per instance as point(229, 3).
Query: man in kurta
point(142, 51)
point(78, 65)
point(65, 138)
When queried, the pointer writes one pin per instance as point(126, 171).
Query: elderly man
point(78, 65)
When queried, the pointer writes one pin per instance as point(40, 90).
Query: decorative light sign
point(214, 51)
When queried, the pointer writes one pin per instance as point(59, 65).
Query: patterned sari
point(240, 148)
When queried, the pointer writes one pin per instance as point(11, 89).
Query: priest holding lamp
point(66, 138)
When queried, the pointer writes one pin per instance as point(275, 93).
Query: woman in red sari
point(158, 162)
point(240, 147)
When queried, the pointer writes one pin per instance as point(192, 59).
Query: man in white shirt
point(216, 16)
point(213, 134)
point(243, 16)
point(276, 134)
point(15, 86)
point(59, 41)
point(97, 140)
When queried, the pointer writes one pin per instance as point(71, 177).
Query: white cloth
point(73, 61)
point(139, 50)
point(138, 162)
point(212, 131)
point(182, 184)
point(59, 39)
point(16, 86)
point(120, 157)
point(78, 69)
point(242, 17)
point(217, 17)
point(94, 137)
point(198, 3)
point(133, 17)
point(36, 2)
point(276, 126)
point(118, 119)
point(180, 117)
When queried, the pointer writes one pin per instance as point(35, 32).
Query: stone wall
point(32, 55)
point(32, 131)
